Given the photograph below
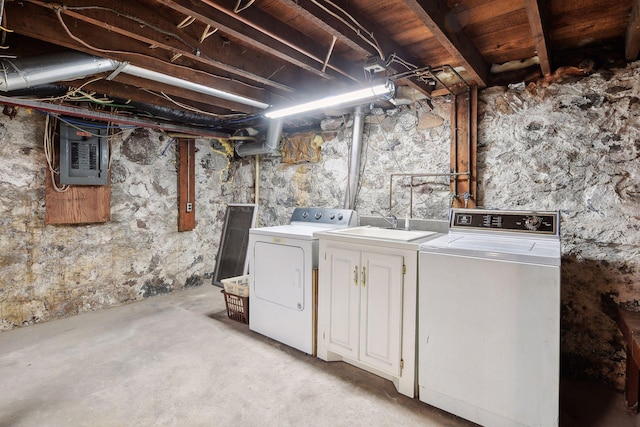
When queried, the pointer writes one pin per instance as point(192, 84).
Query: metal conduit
point(355, 158)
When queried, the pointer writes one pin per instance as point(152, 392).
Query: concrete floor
point(178, 360)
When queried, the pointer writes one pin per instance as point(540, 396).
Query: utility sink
point(385, 233)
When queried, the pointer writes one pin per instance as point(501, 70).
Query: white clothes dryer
point(489, 318)
point(283, 262)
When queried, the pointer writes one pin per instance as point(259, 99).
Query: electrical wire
point(357, 28)
point(225, 154)
point(58, 11)
point(82, 126)
point(49, 152)
point(239, 9)
point(140, 21)
point(194, 109)
point(395, 58)
point(3, 28)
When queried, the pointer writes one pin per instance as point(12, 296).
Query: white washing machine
point(489, 318)
point(283, 262)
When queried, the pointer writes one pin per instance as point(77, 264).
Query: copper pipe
point(413, 175)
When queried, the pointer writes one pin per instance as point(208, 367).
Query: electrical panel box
point(84, 154)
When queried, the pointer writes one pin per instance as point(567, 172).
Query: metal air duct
point(33, 71)
point(269, 145)
point(355, 158)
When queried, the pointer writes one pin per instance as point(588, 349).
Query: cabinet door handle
point(364, 275)
point(355, 275)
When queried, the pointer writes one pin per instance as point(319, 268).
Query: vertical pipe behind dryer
point(355, 158)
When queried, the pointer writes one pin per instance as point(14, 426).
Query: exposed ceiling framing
point(283, 51)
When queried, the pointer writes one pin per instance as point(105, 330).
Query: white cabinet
point(367, 309)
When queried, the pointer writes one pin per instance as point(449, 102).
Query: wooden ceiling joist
point(539, 33)
point(347, 35)
point(277, 40)
point(158, 37)
point(53, 34)
point(436, 16)
point(330, 24)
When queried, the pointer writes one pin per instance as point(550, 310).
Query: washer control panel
point(338, 217)
point(519, 221)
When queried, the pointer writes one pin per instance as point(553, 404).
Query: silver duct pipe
point(184, 84)
point(28, 72)
point(269, 145)
point(24, 73)
point(355, 158)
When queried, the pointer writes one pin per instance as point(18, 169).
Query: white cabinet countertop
point(392, 238)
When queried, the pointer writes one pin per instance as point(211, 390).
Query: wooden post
point(464, 144)
point(186, 185)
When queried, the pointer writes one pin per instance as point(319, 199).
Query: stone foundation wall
point(50, 271)
point(413, 139)
point(571, 146)
point(575, 147)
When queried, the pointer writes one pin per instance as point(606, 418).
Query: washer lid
point(515, 249)
point(297, 230)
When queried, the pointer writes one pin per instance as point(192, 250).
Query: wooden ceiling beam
point(127, 90)
point(632, 34)
point(161, 34)
point(540, 34)
point(333, 26)
point(251, 28)
point(346, 35)
point(38, 23)
point(437, 17)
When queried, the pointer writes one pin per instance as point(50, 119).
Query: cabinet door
point(381, 311)
point(344, 281)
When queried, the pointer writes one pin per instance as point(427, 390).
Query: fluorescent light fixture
point(386, 88)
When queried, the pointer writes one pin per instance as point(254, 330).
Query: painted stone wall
point(50, 271)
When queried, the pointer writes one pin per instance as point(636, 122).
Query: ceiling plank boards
point(161, 35)
point(282, 51)
point(271, 37)
point(382, 46)
point(437, 17)
point(344, 33)
point(125, 50)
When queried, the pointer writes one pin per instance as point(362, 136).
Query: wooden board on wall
point(464, 119)
point(80, 204)
point(187, 185)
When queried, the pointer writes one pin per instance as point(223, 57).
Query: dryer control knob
point(318, 215)
point(305, 214)
point(533, 222)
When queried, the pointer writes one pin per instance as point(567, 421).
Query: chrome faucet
point(392, 220)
